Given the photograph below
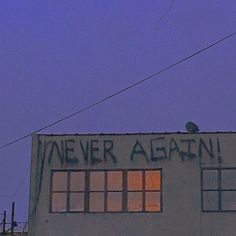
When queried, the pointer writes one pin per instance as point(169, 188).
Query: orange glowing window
point(153, 201)
point(144, 191)
point(77, 181)
point(59, 189)
point(59, 181)
point(152, 180)
point(59, 202)
point(114, 191)
point(96, 202)
point(97, 194)
point(76, 202)
point(97, 180)
point(114, 201)
point(67, 191)
point(117, 191)
point(114, 180)
point(76, 191)
point(135, 201)
point(135, 180)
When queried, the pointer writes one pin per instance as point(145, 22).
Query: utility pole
point(4, 223)
point(12, 218)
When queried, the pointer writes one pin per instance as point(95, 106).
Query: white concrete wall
point(182, 214)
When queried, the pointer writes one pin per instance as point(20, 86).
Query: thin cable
point(18, 189)
point(118, 92)
point(165, 14)
point(21, 183)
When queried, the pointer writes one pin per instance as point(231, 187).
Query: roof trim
point(136, 133)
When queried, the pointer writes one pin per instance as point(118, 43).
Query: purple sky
point(57, 56)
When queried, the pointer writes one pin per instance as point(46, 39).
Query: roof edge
point(136, 133)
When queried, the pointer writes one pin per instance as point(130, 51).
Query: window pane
point(228, 200)
point(114, 180)
point(134, 180)
point(210, 179)
point(96, 202)
point(59, 202)
point(97, 181)
point(152, 180)
point(228, 179)
point(210, 200)
point(77, 181)
point(153, 201)
point(59, 181)
point(76, 202)
point(134, 201)
point(114, 201)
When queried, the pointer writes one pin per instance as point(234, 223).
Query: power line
point(21, 183)
point(165, 14)
point(118, 92)
point(18, 187)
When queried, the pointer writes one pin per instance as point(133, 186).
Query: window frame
point(87, 191)
point(220, 189)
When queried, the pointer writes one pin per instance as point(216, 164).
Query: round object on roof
point(191, 127)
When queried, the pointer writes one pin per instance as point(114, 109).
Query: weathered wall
point(179, 155)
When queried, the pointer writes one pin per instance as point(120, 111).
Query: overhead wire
point(107, 98)
point(21, 183)
point(119, 91)
point(165, 14)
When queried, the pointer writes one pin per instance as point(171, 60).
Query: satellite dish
point(191, 127)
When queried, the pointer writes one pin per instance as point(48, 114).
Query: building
point(133, 184)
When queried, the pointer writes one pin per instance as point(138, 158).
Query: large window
point(106, 191)
point(218, 189)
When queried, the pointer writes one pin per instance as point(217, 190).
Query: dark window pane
point(210, 200)
point(77, 180)
point(59, 202)
point(228, 179)
point(59, 181)
point(134, 180)
point(228, 200)
point(114, 180)
point(76, 202)
point(210, 179)
point(97, 180)
point(152, 180)
point(96, 202)
point(114, 201)
point(153, 201)
point(134, 201)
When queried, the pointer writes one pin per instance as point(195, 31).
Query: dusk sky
point(58, 56)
